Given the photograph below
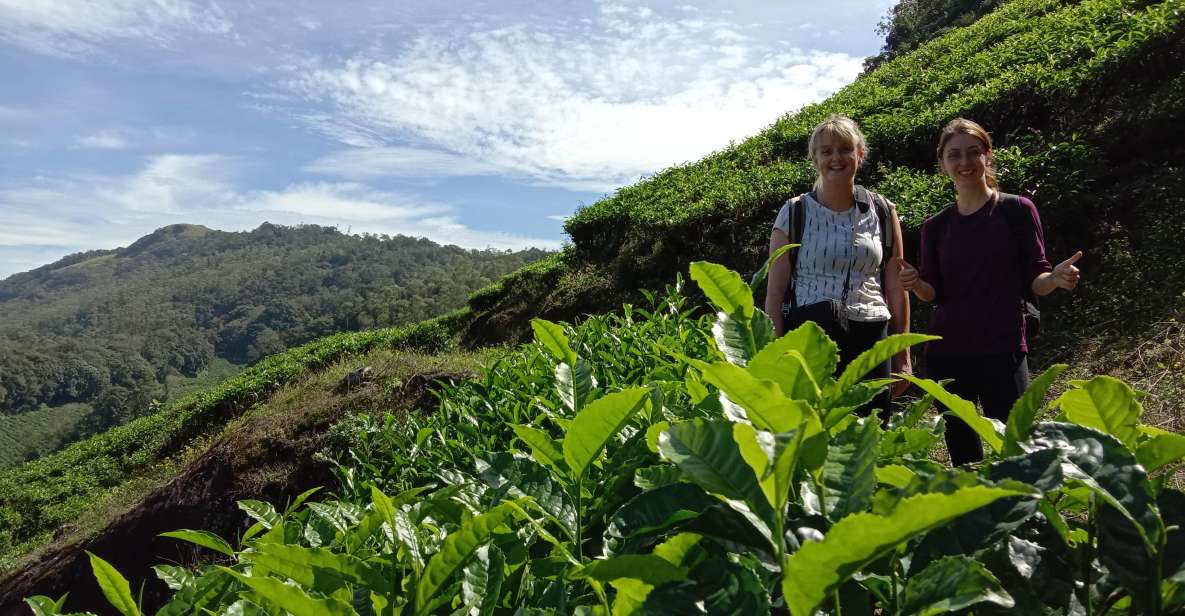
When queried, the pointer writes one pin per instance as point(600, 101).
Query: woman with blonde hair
point(845, 274)
point(981, 258)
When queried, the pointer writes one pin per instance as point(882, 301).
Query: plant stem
point(1089, 556)
point(579, 519)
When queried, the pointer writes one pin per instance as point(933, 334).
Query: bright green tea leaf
point(818, 568)
point(203, 538)
point(1160, 450)
point(880, 352)
point(456, 550)
point(1105, 403)
point(724, 288)
point(173, 577)
point(44, 606)
point(1024, 411)
point(764, 403)
point(735, 338)
point(263, 512)
point(114, 586)
point(894, 475)
point(810, 342)
point(759, 276)
point(575, 387)
point(597, 423)
point(646, 568)
point(552, 337)
point(963, 410)
point(707, 454)
point(482, 584)
point(291, 598)
point(544, 449)
point(319, 569)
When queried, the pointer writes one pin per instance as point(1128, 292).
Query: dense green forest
point(671, 457)
point(114, 329)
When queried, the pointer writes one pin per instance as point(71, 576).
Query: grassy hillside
point(40, 497)
point(1085, 100)
point(272, 451)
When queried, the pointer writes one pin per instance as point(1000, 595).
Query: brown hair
point(840, 126)
point(963, 126)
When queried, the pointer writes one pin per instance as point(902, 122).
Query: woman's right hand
point(908, 274)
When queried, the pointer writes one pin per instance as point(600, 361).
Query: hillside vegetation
point(117, 329)
point(650, 461)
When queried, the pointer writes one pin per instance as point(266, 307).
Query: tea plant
point(718, 469)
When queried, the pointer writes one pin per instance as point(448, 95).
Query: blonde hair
point(963, 126)
point(837, 126)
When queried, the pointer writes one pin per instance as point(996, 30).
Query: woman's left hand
point(900, 387)
point(1065, 275)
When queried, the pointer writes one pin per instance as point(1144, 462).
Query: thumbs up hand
point(1065, 274)
point(907, 273)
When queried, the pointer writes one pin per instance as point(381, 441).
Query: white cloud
point(346, 202)
point(66, 27)
point(102, 140)
point(308, 23)
point(589, 106)
point(364, 163)
point(44, 214)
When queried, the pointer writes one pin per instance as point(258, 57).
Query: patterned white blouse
point(830, 242)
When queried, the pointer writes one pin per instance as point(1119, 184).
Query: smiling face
point(966, 160)
point(836, 158)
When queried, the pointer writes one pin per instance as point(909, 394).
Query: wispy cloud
point(68, 27)
point(365, 163)
point(582, 105)
point(101, 140)
point(43, 215)
point(308, 23)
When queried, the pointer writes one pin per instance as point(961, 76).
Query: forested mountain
point(110, 327)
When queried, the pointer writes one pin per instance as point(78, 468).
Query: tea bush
point(660, 463)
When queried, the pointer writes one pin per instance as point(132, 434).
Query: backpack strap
point(797, 224)
point(884, 217)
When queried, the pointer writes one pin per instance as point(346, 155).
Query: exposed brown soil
point(267, 457)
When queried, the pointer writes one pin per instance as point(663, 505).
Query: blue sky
point(481, 124)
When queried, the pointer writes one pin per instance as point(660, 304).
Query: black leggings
point(995, 381)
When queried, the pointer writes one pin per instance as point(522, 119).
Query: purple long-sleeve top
point(980, 270)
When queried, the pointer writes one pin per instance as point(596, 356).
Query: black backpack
point(798, 222)
point(1014, 214)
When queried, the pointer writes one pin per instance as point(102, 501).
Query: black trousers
point(994, 381)
point(859, 338)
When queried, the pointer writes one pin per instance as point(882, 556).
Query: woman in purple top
point(978, 256)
